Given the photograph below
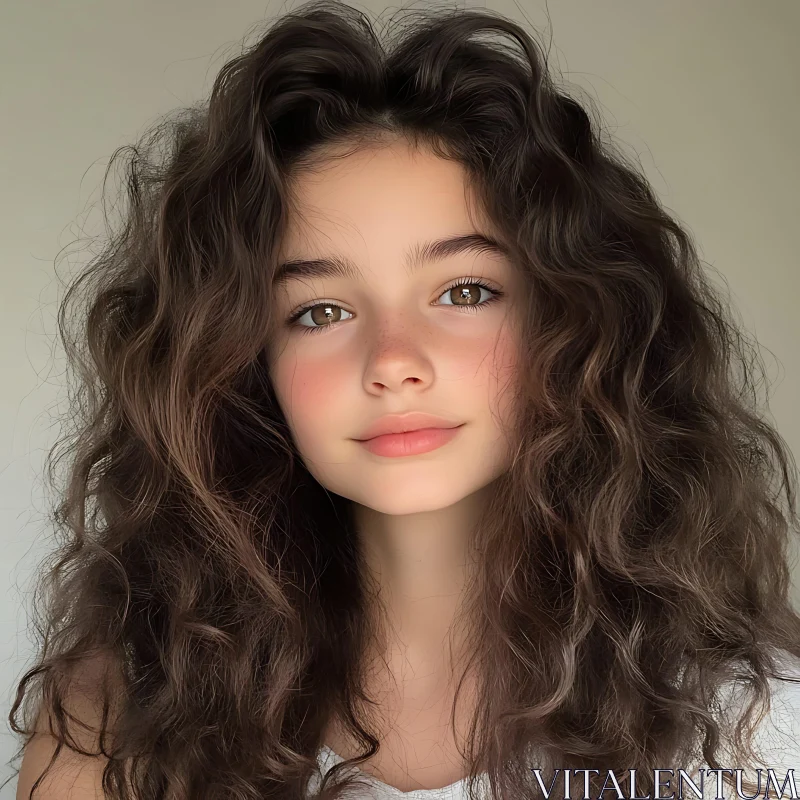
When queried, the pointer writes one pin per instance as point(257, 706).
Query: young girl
point(415, 455)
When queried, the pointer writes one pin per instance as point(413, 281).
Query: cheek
point(308, 389)
point(506, 358)
point(486, 363)
point(495, 367)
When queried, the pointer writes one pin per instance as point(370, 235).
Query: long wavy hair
point(208, 593)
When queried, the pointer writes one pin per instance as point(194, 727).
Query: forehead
point(378, 196)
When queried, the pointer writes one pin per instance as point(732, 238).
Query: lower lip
point(412, 443)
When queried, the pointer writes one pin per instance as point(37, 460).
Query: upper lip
point(402, 423)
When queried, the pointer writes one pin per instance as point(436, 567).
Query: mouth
point(422, 440)
point(415, 430)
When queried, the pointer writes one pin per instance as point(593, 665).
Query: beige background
point(704, 92)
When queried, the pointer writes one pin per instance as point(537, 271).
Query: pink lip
point(411, 443)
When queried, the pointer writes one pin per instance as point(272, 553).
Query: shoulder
point(72, 776)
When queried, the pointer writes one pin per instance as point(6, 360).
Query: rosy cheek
point(309, 386)
point(506, 355)
point(496, 369)
point(484, 359)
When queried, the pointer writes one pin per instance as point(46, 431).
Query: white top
point(777, 737)
point(377, 790)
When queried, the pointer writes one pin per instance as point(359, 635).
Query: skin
point(401, 344)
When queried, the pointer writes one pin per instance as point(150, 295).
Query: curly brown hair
point(208, 592)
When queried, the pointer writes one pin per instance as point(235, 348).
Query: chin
point(400, 500)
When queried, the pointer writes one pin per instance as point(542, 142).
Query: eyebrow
point(416, 258)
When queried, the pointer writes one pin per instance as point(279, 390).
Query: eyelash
point(496, 295)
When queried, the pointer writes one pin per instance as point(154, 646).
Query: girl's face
point(389, 339)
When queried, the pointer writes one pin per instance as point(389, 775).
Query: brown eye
point(467, 294)
point(326, 313)
point(323, 315)
point(464, 294)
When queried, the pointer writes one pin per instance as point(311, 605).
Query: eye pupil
point(322, 314)
point(464, 292)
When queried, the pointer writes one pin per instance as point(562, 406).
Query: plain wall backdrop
point(704, 92)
